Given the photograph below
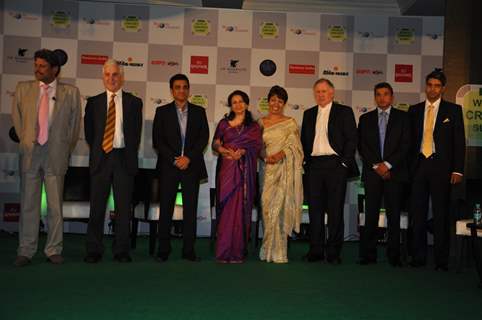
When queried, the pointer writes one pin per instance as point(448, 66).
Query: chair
point(462, 240)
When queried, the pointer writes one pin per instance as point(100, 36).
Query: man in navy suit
point(384, 142)
point(437, 162)
point(180, 134)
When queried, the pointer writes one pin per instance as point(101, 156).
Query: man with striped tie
point(113, 125)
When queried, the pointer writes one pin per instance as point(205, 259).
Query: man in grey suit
point(46, 115)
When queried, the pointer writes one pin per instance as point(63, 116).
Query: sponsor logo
point(165, 25)
point(405, 36)
point(22, 16)
point(161, 62)
point(200, 27)
point(300, 32)
point(130, 63)
point(92, 21)
point(93, 59)
point(23, 55)
point(60, 19)
point(269, 30)
point(402, 106)
point(200, 100)
point(335, 72)
point(263, 106)
point(233, 67)
point(11, 212)
point(366, 71)
point(295, 106)
point(131, 24)
point(234, 29)
point(403, 73)
point(267, 67)
point(337, 33)
point(301, 68)
point(199, 64)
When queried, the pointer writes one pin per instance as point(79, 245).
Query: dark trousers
point(430, 181)
point(326, 193)
point(111, 172)
point(391, 192)
point(190, 192)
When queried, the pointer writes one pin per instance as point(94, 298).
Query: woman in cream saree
point(282, 193)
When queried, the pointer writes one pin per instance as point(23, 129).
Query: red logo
point(199, 64)
point(403, 73)
point(93, 59)
point(11, 212)
point(301, 68)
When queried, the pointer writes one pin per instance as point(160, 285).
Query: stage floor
point(179, 289)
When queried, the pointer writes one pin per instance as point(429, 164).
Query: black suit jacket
point(342, 135)
point(167, 141)
point(396, 146)
point(94, 125)
point(448, 135)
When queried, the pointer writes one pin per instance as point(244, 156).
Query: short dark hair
point(324, 80)
point(438, 75)
point(248, 117)
point(176, 77)
point(278, 91)
point(383, 85)
point(240, 93)
point(55, 58)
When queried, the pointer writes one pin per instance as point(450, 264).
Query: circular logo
point(267, 67)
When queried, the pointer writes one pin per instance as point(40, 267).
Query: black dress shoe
point(395, 263)
point(417, 264)
point(123, 257)
point(334, 261)
point(366, 261)
point(441, 267)
point(311, 257)
point(191, 257)
point(92, 258)
point(161, 259)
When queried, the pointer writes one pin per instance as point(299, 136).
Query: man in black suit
point(113, 125)
point(437, 162)
point(329, 139)
point(384, 142)
point(180, 134)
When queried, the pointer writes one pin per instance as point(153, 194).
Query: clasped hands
point(231, 154)
point(383, 171)
point(275, 158)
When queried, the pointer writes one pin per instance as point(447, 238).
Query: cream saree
point(282, 190)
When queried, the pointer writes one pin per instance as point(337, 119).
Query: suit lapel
point(188, 123)
point(313, 126)
point(125, 109)
point(441, 115)
point(331, 123)
point(59, 100)
point(175, 120)
point(374, 124)
point(32, 99)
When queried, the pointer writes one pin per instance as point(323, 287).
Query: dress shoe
point(395, 263)
point(366, 261)
point(441, 267)
point(162, 258)
point(21, 261)
point(311, 257)
point(93, 258)
point(191, 257)
point(334, 261)
point(417, 264)
point(55, 259)
point(122, 257)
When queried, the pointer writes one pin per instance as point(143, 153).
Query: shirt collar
point(386, 111)
point(178, 107)
point(325, 108)
point(118, 93)
point(52, 85)
point(436, 104)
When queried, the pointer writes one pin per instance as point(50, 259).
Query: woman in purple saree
point(238, 141)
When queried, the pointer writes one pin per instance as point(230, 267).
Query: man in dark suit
point(113, 125)
point(437, 162)
point(180, 134)
point(384, 142)
point(329, 139)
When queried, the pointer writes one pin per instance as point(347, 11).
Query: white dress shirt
point(321, 144)
point(119, 120)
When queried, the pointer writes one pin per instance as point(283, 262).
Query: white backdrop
point(220, 51)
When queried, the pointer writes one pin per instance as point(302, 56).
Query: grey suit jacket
point(64, 127)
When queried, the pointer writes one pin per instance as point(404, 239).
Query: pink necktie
point(43, 116)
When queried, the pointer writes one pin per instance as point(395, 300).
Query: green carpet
point(179, 289)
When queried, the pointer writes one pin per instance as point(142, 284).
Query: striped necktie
point(108, 142)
